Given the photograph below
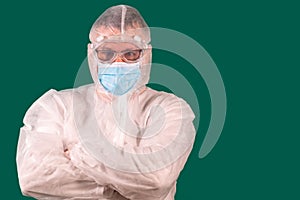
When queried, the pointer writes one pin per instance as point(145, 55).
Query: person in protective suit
point(115, 138)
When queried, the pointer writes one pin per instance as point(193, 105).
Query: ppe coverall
point(87, 143)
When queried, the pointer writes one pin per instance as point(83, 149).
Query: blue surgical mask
point(118, 78)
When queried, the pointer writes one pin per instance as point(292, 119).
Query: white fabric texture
point(85, 143)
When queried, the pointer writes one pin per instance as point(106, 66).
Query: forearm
point(44, 170)
point(158, 185)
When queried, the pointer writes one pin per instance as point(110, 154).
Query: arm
point(177, 128)
point(43, 169)
point(172, 118)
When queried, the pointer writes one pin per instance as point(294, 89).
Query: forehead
point(118, 46)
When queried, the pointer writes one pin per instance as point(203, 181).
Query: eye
point(105, 55)
point(132, 54)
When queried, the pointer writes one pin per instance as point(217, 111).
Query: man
point(114, 139)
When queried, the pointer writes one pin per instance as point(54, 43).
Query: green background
point(255, 45)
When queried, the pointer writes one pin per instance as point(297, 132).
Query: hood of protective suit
point(84, 146)
point(120, 24)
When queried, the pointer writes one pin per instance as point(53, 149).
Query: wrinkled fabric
point(49, 129)
point(86, 143)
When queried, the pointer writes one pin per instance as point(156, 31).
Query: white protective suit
point(86, 143)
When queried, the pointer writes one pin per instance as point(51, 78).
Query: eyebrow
point(104, 49)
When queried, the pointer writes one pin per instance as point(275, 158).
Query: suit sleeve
point(177, 128)
point(176, 136)
point(43, 169)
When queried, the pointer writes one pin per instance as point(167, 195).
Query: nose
point(119, 59)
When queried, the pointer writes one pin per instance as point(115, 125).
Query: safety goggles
point(128, 56)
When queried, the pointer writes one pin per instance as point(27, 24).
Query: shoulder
point(54, 101)
point(65, 96)
point(158, 96)
point(167, 101)
point(162, 97)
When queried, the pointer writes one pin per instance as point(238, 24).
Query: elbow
point(165, 179)
point(26, 189)
point(162, 183)
point(29, 184)
point(32, 190)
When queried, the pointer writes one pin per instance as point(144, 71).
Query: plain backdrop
point(255, 45)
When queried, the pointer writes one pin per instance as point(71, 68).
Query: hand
point(67, 153)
